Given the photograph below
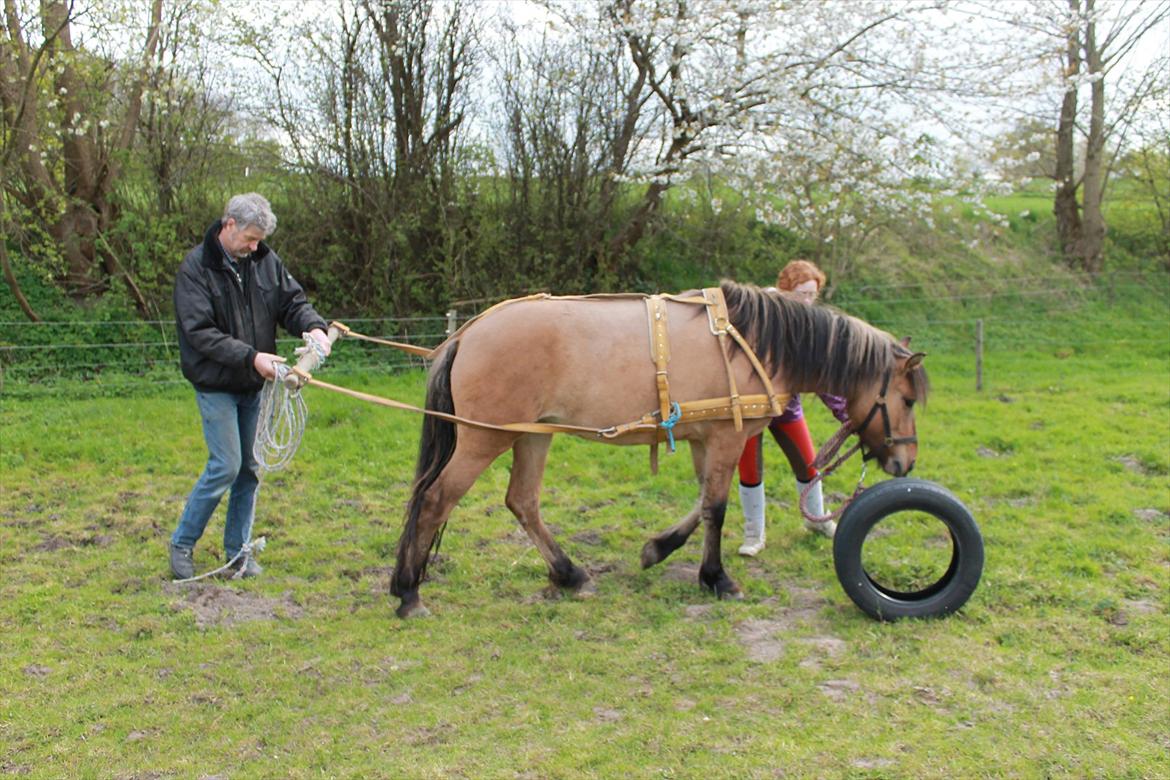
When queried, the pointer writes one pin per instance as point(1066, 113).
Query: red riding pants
point(793, 438)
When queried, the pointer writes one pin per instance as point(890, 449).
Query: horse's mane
point(814, 345)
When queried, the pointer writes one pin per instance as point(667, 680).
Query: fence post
point(450, 322)
point(978, 354)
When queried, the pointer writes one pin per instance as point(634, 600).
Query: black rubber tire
point(946, 595)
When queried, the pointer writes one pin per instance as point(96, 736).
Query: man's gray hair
point(251, 209)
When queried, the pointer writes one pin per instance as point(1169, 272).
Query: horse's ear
point(905, 342)
point(915, 360)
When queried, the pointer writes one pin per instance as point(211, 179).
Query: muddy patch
point(218, 605)
point(761, 639)
point(872, 763)
point(764, 639)
point(1140, 606)
point(805, 607)
point(681, 572)
point(54, 543)
point(1135, 465)
point(819, 648)
point(606, 715)
point(698, 611)
point(839, 690)
point(1151, 515)
point(591, 538)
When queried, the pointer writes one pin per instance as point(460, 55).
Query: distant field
point(1055, 668)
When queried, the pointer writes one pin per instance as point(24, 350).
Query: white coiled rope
point(283, 415)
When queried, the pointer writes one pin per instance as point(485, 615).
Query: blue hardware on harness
point(668, 423)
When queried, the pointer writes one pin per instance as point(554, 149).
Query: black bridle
point(828, 452)
point(888, 439)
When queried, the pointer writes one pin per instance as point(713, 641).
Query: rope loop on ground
point(246, 552)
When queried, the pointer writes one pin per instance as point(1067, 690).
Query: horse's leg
point(722, 454)
point(530, 452)
point(666, 542)
point(430, 507)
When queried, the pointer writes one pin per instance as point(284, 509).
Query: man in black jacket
point(230, 294)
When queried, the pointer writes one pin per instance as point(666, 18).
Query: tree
point(185, 122)
point(1147, 165)
point(372, 104)
point(1088, 46)
point(800, 106)
point(1103, 50)
point(69, 117)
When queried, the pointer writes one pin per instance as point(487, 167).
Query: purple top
point(836, 404)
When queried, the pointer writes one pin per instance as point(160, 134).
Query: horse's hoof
point(414, 609)
point(650, 554)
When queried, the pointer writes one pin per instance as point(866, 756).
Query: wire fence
point(967, 317)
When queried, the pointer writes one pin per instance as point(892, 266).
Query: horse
point(584, 362)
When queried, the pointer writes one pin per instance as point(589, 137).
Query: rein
point(829, 450)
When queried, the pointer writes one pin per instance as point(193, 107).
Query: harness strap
point(534, 427)
point(753, 407)
point(659, 350)
point(717, 316)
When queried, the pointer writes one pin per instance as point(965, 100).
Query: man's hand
point(322, 339)
point(265, 364)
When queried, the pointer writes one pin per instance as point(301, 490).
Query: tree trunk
point(1065, 208)
point(72, 202)
point(14, 285)
point(1093, 224)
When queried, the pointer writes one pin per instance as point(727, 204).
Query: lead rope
point(826, 453)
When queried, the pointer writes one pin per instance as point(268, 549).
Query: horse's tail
point(436, 445)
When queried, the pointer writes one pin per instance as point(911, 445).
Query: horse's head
point(882, 411)
point(815, 348)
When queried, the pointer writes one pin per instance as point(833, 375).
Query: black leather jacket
point(224, 321)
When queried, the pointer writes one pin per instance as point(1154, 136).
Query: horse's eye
point(909, 403)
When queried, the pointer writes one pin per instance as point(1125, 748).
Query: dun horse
point(585, 362)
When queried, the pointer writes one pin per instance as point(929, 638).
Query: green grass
point(1055, 668)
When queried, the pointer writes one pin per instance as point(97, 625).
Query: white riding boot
point(752, 501)
point(816, 505)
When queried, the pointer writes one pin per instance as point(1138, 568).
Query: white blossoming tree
point(1077, 49)
point(815, 111)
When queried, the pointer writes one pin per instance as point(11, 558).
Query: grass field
point(1057, 667)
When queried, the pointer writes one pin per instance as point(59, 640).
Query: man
point(230, 294)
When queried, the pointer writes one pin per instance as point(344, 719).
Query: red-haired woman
point(802, 280)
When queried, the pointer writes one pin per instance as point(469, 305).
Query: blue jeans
point(229, 428)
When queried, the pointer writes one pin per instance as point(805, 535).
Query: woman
point(803, 281)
